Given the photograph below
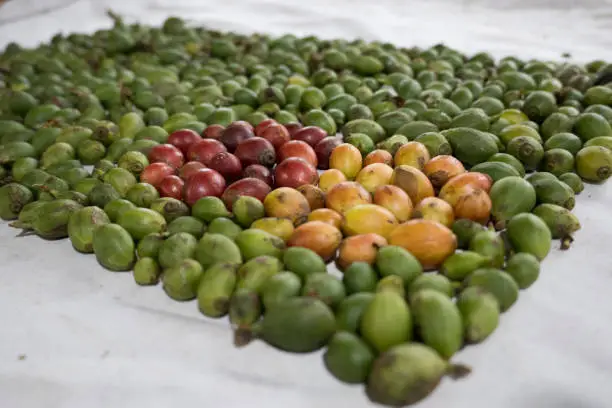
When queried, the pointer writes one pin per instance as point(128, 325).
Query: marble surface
point(75, 335)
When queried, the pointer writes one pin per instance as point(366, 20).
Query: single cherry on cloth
point(251, 187)
point(213, 131)
point(204, 183)
point(204, 150)
point(166, 153)
point(323, 150)
point(295, 172)
point(276, 134)
point(228, 165)
point(310, 134)
point(234, 134)
point(256, 150)
point(261, 126)
point(297, 148)
point(171, 186)
point(183, 139)
point(189, 169)
point(259, 172)
point(154, 173)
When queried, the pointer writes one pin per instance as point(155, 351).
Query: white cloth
point(74, 335)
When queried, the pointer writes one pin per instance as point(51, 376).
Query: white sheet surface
point(75, 335)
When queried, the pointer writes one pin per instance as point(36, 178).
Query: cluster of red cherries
point(237, 160)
